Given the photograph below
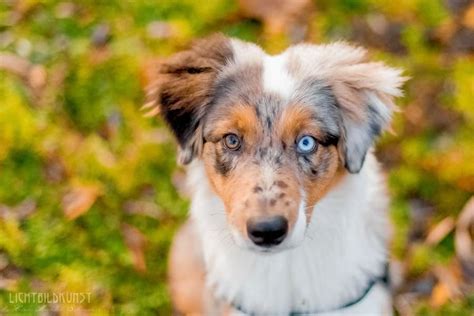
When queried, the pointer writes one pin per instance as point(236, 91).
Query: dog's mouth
point(247, 244)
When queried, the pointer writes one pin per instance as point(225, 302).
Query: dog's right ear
point(183, 90)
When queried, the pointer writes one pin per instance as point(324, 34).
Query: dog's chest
point(344, 248)
point(307, 278)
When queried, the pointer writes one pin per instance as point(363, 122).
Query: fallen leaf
point(463, 239)
point(33, 75)
point(79, 200)
point(37, 77)
point(25, 209)
point(15, 64)
point(404, 304)
point(160, 30)
point(440, 231)
point(448, 286)
point(468, 19)
point(281, 16)
point(135, 242)
point(65, 10)
point(20, 211)
point(142, 207)
point(440, 295)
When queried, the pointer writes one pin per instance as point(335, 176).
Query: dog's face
point(275, 133)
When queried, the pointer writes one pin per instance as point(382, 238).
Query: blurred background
point(90, 194)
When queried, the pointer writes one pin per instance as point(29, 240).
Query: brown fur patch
point(239, 119)
point(186, 276)
point(183, 89)
point(295, 120)
point(329, 172)
point(246, 193)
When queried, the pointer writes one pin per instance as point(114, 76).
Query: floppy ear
point(183, 90)
point(364, 92)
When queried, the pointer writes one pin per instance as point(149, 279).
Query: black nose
point(267, 231)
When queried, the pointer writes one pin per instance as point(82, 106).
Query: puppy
point(289, 207)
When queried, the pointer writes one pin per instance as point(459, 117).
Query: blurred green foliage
point(79, 130)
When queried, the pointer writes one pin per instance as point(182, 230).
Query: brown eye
point(232, 141)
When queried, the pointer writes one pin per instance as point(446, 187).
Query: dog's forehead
point(271, 83)
point(260, 72)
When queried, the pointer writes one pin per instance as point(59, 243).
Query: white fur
point(276, 78)
point(299, 229)
point(245, 53)
point(343, 248)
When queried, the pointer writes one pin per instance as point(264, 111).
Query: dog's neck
point(344, 249)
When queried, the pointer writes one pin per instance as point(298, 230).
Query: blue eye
point(306, 145)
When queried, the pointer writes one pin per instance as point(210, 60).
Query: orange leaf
point(135, 242)
point(440, 231)
point(448, 286)
point(79, 200)
point(463, 239)
point(440, 295)
point(468, 19)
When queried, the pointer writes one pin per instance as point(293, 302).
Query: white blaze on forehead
point(276, 77)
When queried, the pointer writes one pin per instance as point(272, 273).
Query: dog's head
point(275, 133)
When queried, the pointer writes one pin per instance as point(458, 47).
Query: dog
point(289, 206)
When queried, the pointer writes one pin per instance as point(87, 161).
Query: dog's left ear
point(183, 90)
point(364, 92)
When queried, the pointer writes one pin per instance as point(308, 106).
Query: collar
point(383, 279)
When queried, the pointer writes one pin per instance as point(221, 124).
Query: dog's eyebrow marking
point(272, 202)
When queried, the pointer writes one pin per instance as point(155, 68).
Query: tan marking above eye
point(297, 120)
point(238, 119)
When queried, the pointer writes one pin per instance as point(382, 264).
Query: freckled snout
point(267, 231)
